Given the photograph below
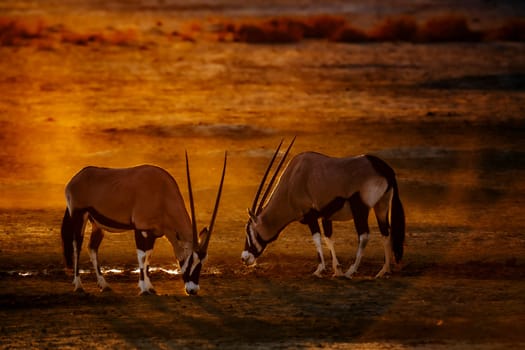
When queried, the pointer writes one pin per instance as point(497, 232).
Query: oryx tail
point(397, 213)
point(67, 238)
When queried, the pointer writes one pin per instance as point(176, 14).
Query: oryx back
point(314, 181)
point(129, 198)
point(315, 186)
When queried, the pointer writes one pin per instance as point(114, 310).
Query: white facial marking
point(191, 288)
point(196, 261)
point(185, 265)
point(144, 234)
point(248, 257)
point(253, 239)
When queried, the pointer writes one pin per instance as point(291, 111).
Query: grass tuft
point(16, 31)
point(513, 30)
point(448, 28)
point(402, 28)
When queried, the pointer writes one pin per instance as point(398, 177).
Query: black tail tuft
point(67, 238)
point(397, 214)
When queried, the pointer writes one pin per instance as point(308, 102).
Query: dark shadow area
point(489, 82)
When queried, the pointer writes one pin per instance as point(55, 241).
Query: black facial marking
point(251, 246)
point(194, 275)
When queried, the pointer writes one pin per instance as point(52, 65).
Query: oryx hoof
point(349, 274)
point(338, 272)
point(319, 271)
point(383, 274)
point(105, 289)
point(79, 290)
point(146, 292)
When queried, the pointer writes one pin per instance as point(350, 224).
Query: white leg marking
point(321, 267)
point(363, 240)
point(196, 261)
point(144, 284)
point(78, 284)
point(388, 257)
point(335, 263)
point(102, 284)
point(76, 269)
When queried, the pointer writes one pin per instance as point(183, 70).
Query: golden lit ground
point(447, 117)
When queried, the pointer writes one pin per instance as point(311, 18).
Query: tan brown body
point(145, 199)
point(315, 186)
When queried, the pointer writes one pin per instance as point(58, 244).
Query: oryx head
point(254, 244)
point(191, 265)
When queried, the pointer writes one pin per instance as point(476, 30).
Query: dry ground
point(448, 117)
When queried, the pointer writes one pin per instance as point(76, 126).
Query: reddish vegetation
point(448, 28)
point(283, 29)
point(15, 31)
point(513, 30)
point(115, 37)
point(403, 28)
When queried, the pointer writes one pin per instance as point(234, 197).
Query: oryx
point(316, 186)
point(145, 199)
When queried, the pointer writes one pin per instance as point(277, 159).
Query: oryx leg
point(94, 243)
point(79, 222)
point(360, 213)
point(316, 236)
point(381, 210)
point(328, 230)
point(144, 241)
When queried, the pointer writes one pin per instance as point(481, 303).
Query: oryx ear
point(203, 234)
point(204, 240)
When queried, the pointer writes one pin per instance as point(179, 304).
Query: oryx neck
point(271, 221)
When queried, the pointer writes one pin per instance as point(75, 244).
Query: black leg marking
point(313, 225)
point(327, 227)
point(96, 238)
point(144, 243)
point(383, 227)
point(332, 207)
point(94, 243)
point(360, 212)
point(144, 240)
point(78, 237)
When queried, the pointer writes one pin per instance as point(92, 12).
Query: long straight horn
point(261, 185)
point(204, 246)
point(192, 207)
point(270, 184)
